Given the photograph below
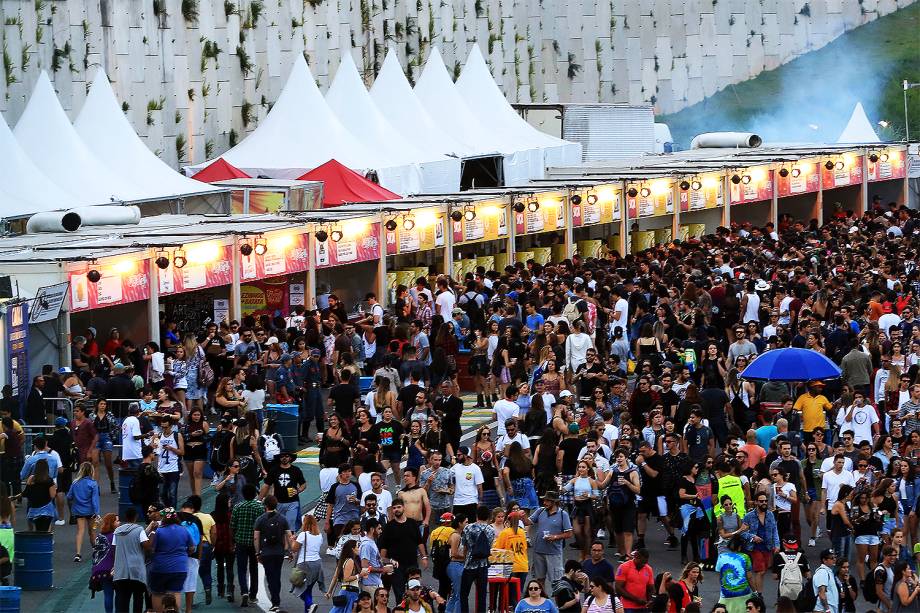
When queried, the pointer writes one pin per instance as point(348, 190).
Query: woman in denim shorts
point(106, 426)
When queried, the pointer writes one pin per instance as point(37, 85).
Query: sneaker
point(811, 542)
point(274, 608)
point(330, 551)
point(672, 542)
point(312, 608)
point(244, 600)
point(60, 522)
point(818, 533)
point(78, 558)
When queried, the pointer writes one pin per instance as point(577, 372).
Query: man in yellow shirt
point(514, 538)
point(812, 404)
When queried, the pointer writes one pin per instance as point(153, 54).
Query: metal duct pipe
point(743, 140)
point(74, 219)
point(55, 221)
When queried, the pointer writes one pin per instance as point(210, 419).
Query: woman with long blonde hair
point(306, 552)
point(83, 497)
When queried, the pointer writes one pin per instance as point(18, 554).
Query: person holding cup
point(552, 525)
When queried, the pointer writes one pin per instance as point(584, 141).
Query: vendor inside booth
point(346, 248)
point(841, 184)
point(887, 176)
point(415, 240)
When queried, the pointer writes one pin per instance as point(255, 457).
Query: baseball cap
point(828, 553)
point(272, 340)
point(60, 421)
point(789, 542)
point(447, 517)
point(565, 394)
point(413, 584)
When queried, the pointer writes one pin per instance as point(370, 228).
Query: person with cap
point(283, 378)
point(551, 527)
point(825, 584)
point(813, 404)
point(286, 482)
point(439, 550)
point(468, 481)
point(413, 602)
point(790, 569)
point(312, 409)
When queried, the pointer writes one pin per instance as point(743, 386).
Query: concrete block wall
point(195, 76)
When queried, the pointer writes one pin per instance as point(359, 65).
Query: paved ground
point(71, 594)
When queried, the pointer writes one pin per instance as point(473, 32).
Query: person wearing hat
point(812, 404)
point(312, 371)
point(790, 582)
point(552, 527)
point(439, 550)
point(825, 583)
point(286, 482)
point(283, 379)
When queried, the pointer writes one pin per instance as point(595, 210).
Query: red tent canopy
point(219, 170)
point(342, 184)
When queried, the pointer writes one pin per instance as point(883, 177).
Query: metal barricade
point(30, 433)
point(58, 407)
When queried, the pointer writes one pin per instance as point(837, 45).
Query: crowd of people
point(621, 418)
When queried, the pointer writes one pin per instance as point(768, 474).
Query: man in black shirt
point(405, 399)
point(590, 374)
point(286, 482)
point(401, 541)
point(667, 396)
point(450, 408)
point(342, 399)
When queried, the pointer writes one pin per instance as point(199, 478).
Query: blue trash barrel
point(287, 422)
point(125, 477)
point(9, 598)
point(34, 565)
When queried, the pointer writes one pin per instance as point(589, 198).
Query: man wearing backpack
point(272, 538)
point(552, 526)
point(790, 569)
point(476, 541)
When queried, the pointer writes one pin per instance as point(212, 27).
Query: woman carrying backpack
point(622, 484)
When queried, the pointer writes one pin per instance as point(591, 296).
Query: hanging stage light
point(336, 235)
point(179, 259)
point(839, 165)
point(632, 192)
point(645, 192)
point(519, 207)
point(796, 173)
point(575, 199)
point(161, 260)
point(93, 275)
point(884, 157)
point(684, 185)
point(408, 223)
point(696, 185)
point(592, 198)
point(246, 248)
point(261, 246)
point(784, 172)
point(390, 225)
point(829, 164)
point(873, 157)
point(746, 179)
point(533, 206)
point(736, 179)
point(321, 235)
point(469, 213)
point(455, 215)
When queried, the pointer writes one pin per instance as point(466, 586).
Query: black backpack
point(145, 485)
point(220, 452)
point(440, 558)
point(807, 598)
point(471, 307)
point(273, 530)
point(482, 547)
point(868, 586)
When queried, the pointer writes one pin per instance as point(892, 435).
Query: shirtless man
point(415, 498)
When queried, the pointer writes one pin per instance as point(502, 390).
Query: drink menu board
point(490, 223)
point(427, 234)
point(894, 167)
point(605, 210)
point(549, 217)
point(117, 285)
point(808, 180)
point(355, 246)
point(709, 196)
point(760, 188)
point(285, 255)
point(653, 205)
point(208, 266)
point(850, 174)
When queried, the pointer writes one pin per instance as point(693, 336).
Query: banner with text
point(807, 181)
point(548, 218)
point(209, 265)
point(491, 223)
point(709, 196)
point(605, 210)
point(265, 297)
point(654, 205)
point(17, 351)
point(356, 246)
point(125, 282)
point(428, 233)
point(286, 254)
point(894, 167)
point(759, 188)
point(850, 174)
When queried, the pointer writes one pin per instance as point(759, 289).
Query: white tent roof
point(483, 97)
point(436, 92)
point(354, 107)
point(24, 188)
point(858, 129)
point(394, 97)
point(49, 139)
point(106, 131)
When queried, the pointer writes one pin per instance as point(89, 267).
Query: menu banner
point(285, 255)
point(809, 180)
point(548, 218)
point(490, 223)
point(353, 248)
point(654, 205)
point(17, 351)
point(605, 210)
point(264, 297)
point(850, 174)
point(208, 266)
point(710, 196)
point(760, 188)
point(128, 282)
point(892, 168)
point(422, 237)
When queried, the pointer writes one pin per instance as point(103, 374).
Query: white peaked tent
point(106, 131)
point(46, 135)
point(24, 189)
point(858, 129)
point(484, 98)
point(353, 106)
point(301, 132)
point(394, 97)
point(440, 97)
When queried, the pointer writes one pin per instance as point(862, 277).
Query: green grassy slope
point(811, 98)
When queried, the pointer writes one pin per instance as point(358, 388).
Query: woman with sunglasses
point(784, 499)
point(381, 597)
point(583, 489)
point(535, 602)
point(483, 444)
point(811, 468)
point(232, 483)
point(601, 598)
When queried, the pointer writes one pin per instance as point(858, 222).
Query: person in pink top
point(755, 453)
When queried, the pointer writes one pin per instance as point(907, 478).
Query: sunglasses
point(536, 588)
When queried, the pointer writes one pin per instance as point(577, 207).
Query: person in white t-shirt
point(620, 315)
point(512, 435)
point(860, 418)
point(468, 482)
point(444, 300)
point(827, 464)
point(506, 408)
point(384, 497)
point(131, 437)
point(832, 480)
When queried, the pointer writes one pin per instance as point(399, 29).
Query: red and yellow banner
point(360, 243)
point(209, 264)
point(606, 209)
point(807, 180)
point(121, 282)
point(428, 233)
point(850, 172)
point(890, 165)
point(709, 196)
point(659, 202)
point(286, 254)
point(490, 223)
point(548, 218)
point(264, 297)
point(759, 188)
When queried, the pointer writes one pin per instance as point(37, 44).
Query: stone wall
point(196, 75)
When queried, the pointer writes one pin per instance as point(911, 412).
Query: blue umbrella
point(791, 364)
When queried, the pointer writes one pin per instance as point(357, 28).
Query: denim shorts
point(868, 539)
point(104, 443)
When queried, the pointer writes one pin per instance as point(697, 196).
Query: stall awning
point(219, 170)
point(342, 184)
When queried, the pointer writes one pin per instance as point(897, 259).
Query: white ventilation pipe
point(743, 140)
point(74, 219)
